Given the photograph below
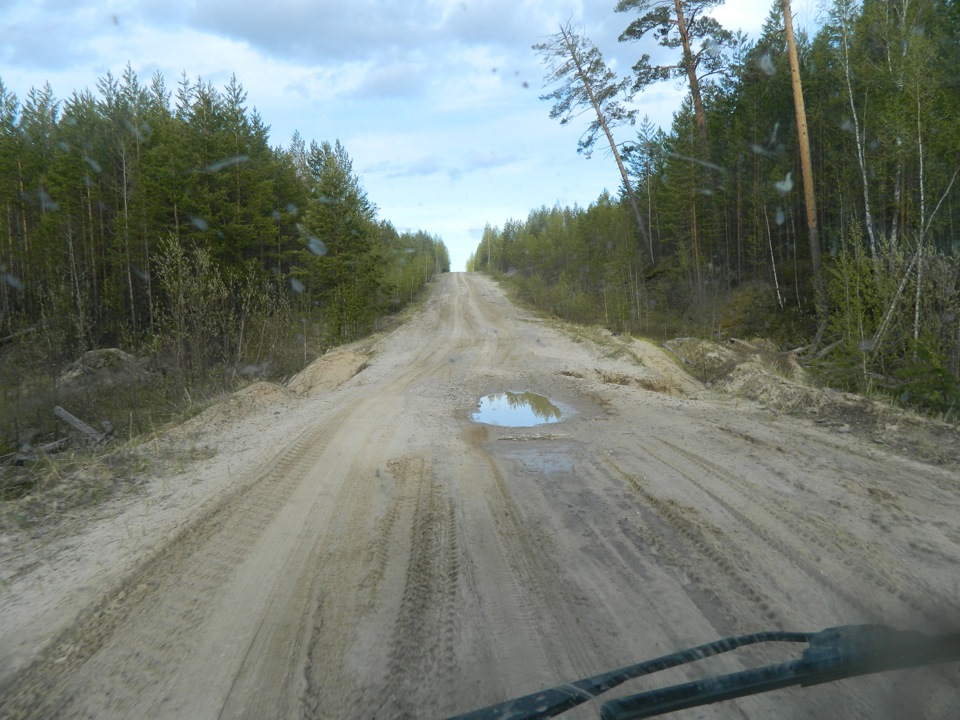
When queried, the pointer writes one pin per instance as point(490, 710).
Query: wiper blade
point(832, 654)
point(550, 703)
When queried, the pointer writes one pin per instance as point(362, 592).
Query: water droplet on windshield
point(94, 165)
point(786, 185)
point(773, 134)
point(766, 64)
point(781, 217)
point(296, 285)
point(199, 223)
point(254, 370)
point(698, 161)
point(228, 162)
point(13, 281)
point(316, 246)
point(47, 202)
point(135, 130)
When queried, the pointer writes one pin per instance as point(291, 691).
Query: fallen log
point(55, 446)
point(79, 425)
point(14, 336)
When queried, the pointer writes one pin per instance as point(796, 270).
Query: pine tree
point(680, 24)
point(587, 83)
point(341, 233)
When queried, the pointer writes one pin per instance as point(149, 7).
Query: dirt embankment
point(353, 545)
point(757, 371)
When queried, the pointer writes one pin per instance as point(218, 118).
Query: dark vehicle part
point(832, 654)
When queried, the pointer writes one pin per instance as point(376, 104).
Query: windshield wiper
point(832, 654)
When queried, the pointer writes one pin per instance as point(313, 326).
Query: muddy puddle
point(517, 409)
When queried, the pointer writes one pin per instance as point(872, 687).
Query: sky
point(436, 101)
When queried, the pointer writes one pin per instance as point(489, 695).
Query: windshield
point(384, 359)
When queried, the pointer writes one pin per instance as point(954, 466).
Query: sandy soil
point(354, 546)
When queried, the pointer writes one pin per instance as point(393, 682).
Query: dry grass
point(47, 492)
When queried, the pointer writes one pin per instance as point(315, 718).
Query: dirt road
point(356, 547)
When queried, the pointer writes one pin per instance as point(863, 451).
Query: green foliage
point(927, 384)
point(163, 223)
point(342, 264)
point(727, 228)
point(709, 40)
point(584, 83)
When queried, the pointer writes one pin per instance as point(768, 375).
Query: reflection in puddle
point(512, 409)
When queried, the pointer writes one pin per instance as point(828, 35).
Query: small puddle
point(513, 409)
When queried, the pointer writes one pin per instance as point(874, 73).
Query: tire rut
point(128, 644)
point(422, 656)
point(413, 546)
point(849, 553)
point(718, 578)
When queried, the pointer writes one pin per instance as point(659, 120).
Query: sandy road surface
point(357, 547)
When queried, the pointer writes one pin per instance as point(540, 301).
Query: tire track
point(422, 655)
point(850, 554)
point(357, 586)
point(117, 656)
point(758, 527)
point(546, 599)
point(694, 531)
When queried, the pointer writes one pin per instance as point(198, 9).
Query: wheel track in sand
point(847, 552)
point(160, 604)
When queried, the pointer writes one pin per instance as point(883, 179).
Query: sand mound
point(754, 381)
point(245, 401)
point(638, 363)
point(923, 438)
point(665, 376)
point(328, 372)
point(712, 361)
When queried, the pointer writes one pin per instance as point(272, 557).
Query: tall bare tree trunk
point(688, 64)
point(806, 166)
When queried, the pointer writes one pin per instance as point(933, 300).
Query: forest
point(716, 231)
point(163, 225)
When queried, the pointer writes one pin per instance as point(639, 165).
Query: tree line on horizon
point(164, 224)
point(709, 232)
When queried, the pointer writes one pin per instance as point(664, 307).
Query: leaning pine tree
point(586, 82)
